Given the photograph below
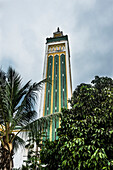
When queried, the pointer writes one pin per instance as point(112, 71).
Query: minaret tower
point(57, 69)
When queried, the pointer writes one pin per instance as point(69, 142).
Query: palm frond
point(8, 91)
point(25, 112)
point(18, 141)
point(17, 103)
point(2, 77)
point(14, 79)
point(19, 97)
point(38, 123)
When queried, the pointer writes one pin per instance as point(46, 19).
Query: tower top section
point(57, 36)
point(58, 33)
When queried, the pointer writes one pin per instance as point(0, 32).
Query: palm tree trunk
point(6, 155)
point(6, 159)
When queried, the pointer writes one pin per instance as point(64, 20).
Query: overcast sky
point(25, 25)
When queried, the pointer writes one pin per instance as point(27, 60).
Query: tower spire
point(58, 29)
point(58, 33)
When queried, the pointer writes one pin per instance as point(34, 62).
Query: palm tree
point(17, 104)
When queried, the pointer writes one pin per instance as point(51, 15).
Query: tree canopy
point(86, 134)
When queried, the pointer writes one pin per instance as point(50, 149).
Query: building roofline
point(55, 39)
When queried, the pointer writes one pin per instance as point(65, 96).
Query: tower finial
point(58, 33)
point(58, 30)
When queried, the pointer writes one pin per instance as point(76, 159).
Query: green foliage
point(86, 134)
point(34, 143)
point(49, 155)
point(17, 103)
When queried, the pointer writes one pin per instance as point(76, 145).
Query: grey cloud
point(94, 41)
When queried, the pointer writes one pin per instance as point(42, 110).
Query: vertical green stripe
point(48, 87)
point(48, 129)
point(56, 59)
point(63, 71)
point(44, 131)
point(53, 129)
point(57, 126)
point(65, 85)
point(61, 81)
